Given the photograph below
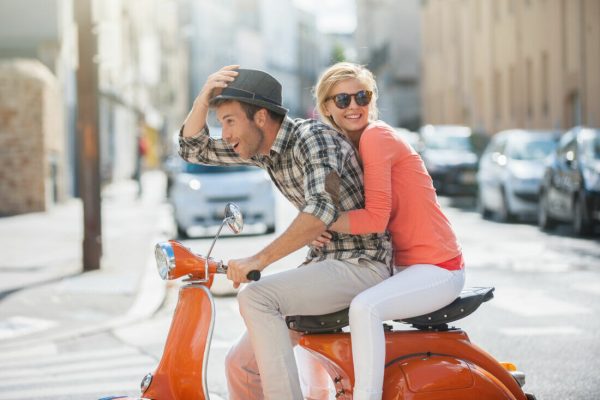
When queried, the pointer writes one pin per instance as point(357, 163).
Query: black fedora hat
point(254, 87)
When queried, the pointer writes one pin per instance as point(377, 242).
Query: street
point(543, 317)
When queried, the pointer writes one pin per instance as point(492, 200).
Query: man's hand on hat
point(217, 82)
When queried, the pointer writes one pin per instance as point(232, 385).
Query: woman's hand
point(322, 240)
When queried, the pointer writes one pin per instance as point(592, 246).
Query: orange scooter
point(431, 362)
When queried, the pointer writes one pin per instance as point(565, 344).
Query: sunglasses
point(342, 100)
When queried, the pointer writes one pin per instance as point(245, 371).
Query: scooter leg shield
point(181, 373)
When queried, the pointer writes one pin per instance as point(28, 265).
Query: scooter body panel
point(404, 345)
point(181, 373)
point(440, 377)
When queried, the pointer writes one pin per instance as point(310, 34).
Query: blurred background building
point(272, 35)
point(488, 65)
point(387, 40)
point(493, 65)
point(142, 84)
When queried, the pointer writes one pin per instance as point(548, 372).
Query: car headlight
point(195, 184)
point(165, 259)
point(591, 179)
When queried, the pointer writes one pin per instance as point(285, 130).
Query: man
point(317, 170)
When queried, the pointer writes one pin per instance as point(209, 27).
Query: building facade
point(142, 74)
point(387, 40)
point(272, 35)
point(495, 65)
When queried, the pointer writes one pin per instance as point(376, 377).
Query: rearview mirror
point(234, 218)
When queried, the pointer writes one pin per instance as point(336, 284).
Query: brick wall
point(31, 137)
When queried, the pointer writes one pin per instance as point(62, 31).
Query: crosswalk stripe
point(592, 288)
point(114, 387)
point(541, 331)
point(530, 303)
point(34, 370)
point(68, 357)
point(135, 373)
point(12, 354)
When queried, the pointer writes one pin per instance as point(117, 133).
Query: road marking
point(592, 288)
point(117, 387)
point(81, 374)
point(133, 374)
point(39, 360)
point(35, 370)
point(11, 354)
point(541, 331)
point(20, 325)
point(534, 303)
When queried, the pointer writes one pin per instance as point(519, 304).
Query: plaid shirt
point(316, 169)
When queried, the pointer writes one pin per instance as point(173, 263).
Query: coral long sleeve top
point(400, 197)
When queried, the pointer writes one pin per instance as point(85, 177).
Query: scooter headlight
point(165, 259)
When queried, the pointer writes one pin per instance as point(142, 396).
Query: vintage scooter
point(431, 361)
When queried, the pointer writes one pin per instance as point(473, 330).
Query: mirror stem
point(213, 245)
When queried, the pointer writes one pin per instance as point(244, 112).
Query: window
point(498, 94)
point(512, 89)
point(529, 86)
point(545, 85)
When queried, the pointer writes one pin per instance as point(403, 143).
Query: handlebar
point(253, 275)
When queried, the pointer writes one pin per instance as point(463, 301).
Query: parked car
point(450, 158)
point(510, 172)
point(570, 190)
point(413, 138)
point(199, 194)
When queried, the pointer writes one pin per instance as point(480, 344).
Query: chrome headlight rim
point(165, 259)
point(146, 381)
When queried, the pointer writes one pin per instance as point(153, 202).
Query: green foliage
point(338, 54)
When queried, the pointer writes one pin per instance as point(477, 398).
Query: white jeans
point(412, 291)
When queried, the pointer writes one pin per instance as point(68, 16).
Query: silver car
point(510, 172)
point(199, 194)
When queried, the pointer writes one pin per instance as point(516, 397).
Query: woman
point(399, 197)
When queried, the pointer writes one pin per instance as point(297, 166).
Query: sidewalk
point(44, 295)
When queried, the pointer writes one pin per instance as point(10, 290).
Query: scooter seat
point(469, 300)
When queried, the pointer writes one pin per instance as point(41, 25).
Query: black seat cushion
point(468, 301)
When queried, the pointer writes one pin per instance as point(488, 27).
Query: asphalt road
point(544, 314)
point(543, 317)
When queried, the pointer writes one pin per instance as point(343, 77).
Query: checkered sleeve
point(322, 161)
point(203, 149)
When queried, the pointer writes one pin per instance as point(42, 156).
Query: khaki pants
point(261, 364)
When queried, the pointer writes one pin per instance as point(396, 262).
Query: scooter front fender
point(181, 373)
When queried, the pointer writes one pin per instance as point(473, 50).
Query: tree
point(338, 54)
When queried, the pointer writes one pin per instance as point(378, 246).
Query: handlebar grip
point(253, 275)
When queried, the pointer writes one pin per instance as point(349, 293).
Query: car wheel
point(545, 221)
point(481, 208)
point(270, 229)
point(505, 214)
point(582, 226)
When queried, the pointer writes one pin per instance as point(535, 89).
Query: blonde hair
point(340, 72)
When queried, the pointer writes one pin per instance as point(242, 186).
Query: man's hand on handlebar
point(239, 269)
